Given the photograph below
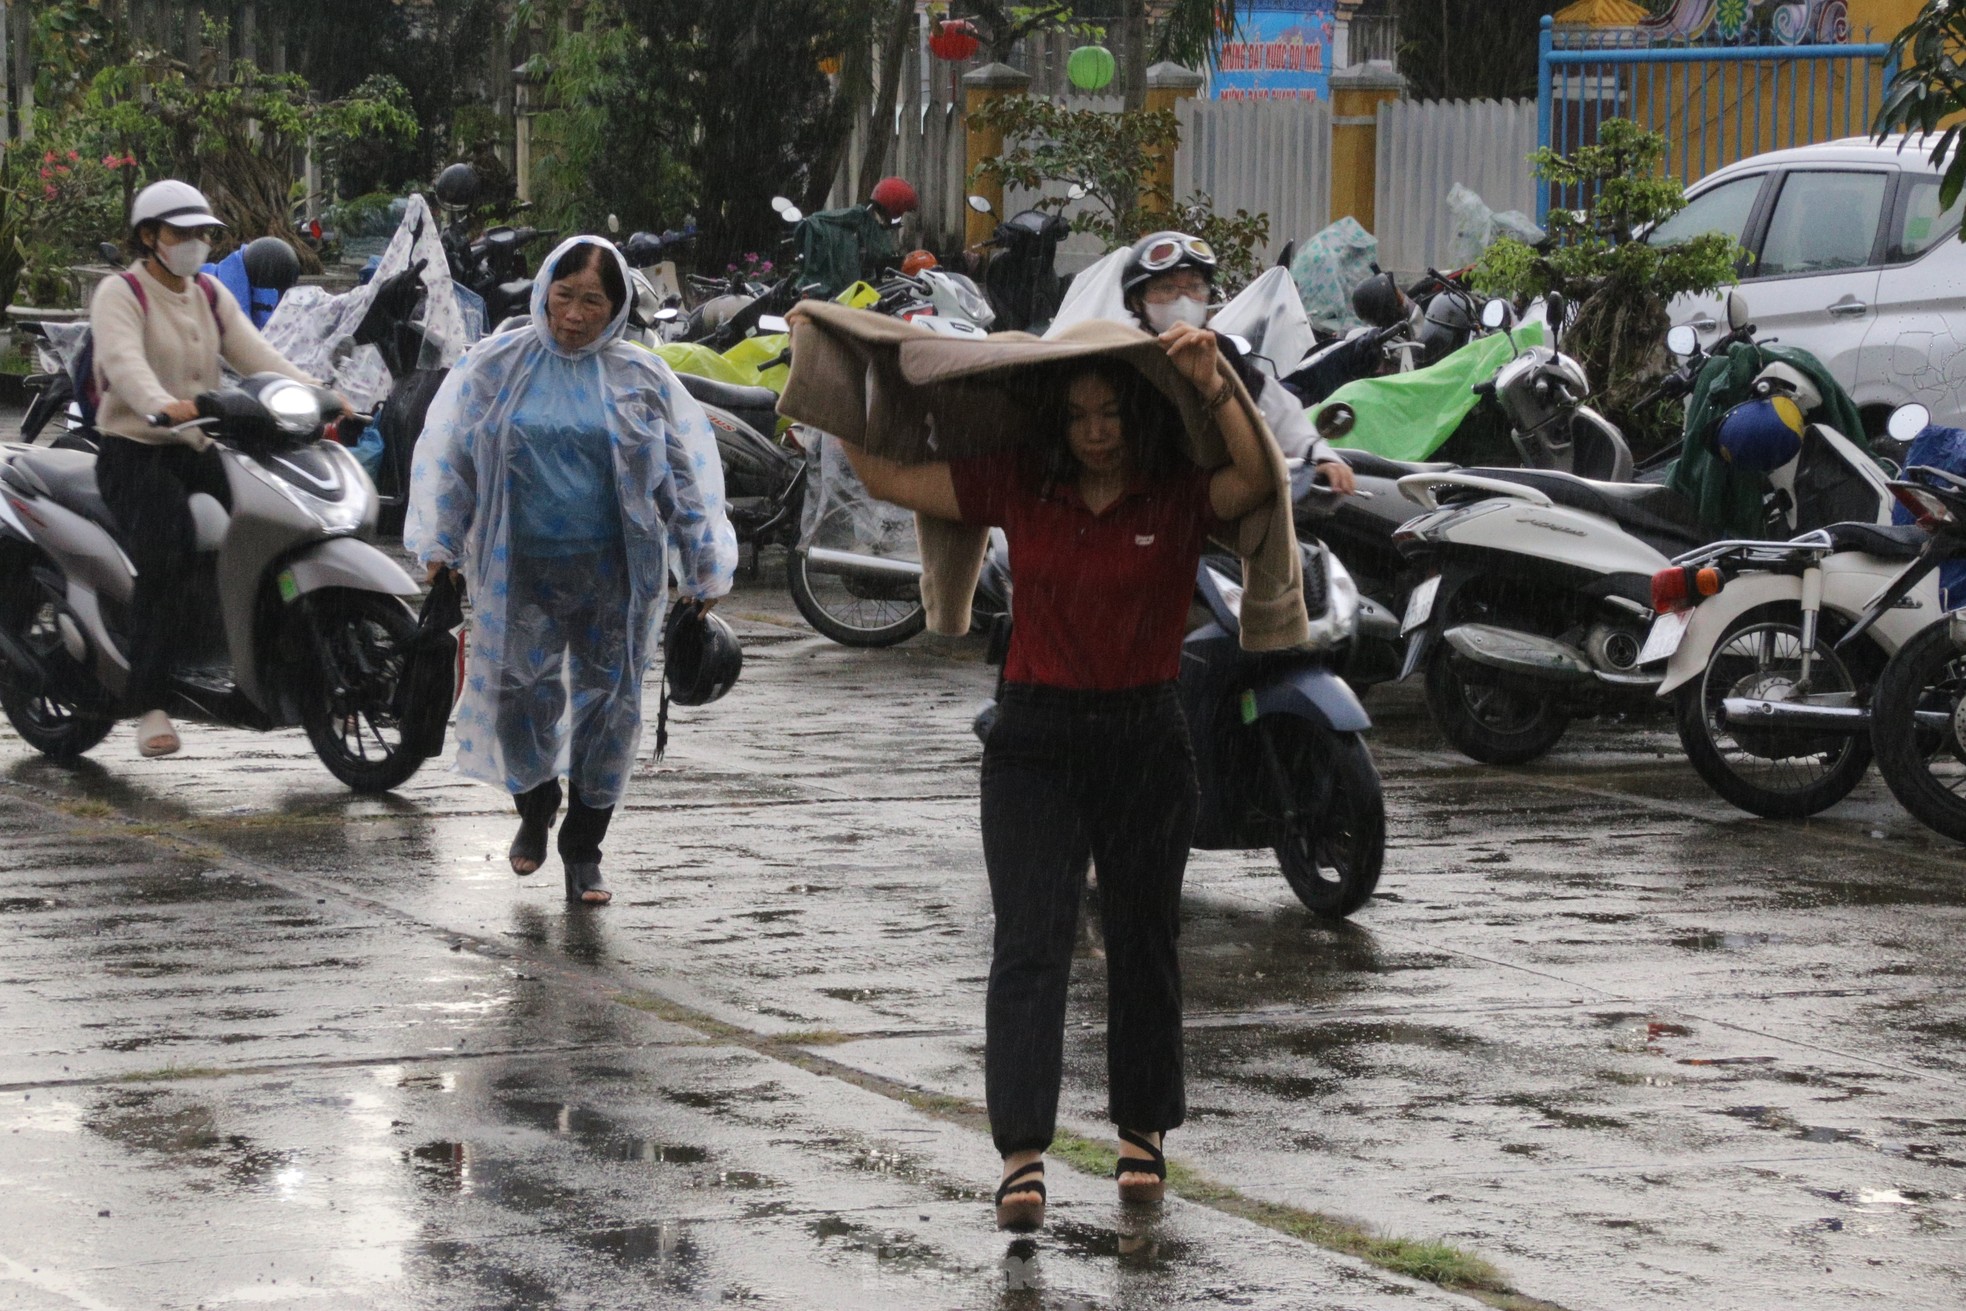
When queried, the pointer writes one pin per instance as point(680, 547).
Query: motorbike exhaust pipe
point(822, 560)
point(1753, 712)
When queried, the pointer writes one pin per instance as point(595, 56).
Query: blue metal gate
point(1715, 103)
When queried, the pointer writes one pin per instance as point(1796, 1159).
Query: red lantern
point(955, 40)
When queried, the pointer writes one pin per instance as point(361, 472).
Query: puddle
point(22, 905)
point(1720, 940)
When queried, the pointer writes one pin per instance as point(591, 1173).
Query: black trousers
point(580, 836)
point(148, 489)
point(1064, 772)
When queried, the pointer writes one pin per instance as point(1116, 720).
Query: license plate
point(1420, 605)
point(1667, 632)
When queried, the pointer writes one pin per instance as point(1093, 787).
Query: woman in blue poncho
point(565, 472)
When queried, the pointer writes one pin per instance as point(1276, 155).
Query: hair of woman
point(588, 255)
point(1149, 420)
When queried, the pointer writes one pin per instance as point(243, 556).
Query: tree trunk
point(900, 26)
point(1133, 77)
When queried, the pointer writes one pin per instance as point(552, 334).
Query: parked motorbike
point(1279, 743)
point(1021, 277)
point(1539, 597)
point(1918, 712)
point(493, 264)
point(1774, 713)
point(297, 618)
point(764, 479)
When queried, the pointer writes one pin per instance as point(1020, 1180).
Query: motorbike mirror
point(981, 204)
point(1241, 343)
point(1077, 191)
point(1737, 311)
point(1683, 341)
point(110, 255)
point(1907, 421)
point(614, 223)
point(1496, 314)
point(668, 314)
point(1334, 421)
point(1289, 254)
point(773, 324)
point(780, 204)
point(791, 213)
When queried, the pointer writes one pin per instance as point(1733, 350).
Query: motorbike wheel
point(1332, 856)
point(851, 612)
point(1489, 723)
point(351, 713)
point(1921, 764)
point(1778, 775)
point(55, 721)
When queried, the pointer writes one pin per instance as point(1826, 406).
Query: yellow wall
point(1884, 18)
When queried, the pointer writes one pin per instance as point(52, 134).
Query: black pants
point(580, 836)
point(1064, 772)
point(148, 489)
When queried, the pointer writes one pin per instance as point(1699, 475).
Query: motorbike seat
point(1885, 541)
point(68, 478)
point(756, 406)
point(1367, 465)
point(1651, 512)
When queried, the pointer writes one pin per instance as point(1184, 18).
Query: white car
point(1849, 258)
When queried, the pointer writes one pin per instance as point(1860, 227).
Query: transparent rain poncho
point(315, 329)
point(567, 485)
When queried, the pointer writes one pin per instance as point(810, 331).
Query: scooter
point(1773, 714)
point(1279, 743)
point(299, 619)
point(1918, 713)
point(1021, 278)
point(1538, 600)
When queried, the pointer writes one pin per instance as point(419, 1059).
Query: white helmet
point(177, 203)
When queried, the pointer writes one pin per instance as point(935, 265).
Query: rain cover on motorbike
point(1728, 499)
point(1408, 416)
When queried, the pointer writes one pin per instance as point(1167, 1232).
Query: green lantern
point(1090, 68)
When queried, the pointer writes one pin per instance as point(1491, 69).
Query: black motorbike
point(1021, 278)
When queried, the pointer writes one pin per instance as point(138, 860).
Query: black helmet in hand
point(700, 655)
point(271, 264)
point(457, 186)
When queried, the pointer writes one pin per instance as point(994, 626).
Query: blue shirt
point(563, 495)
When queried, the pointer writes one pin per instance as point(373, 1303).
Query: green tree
point(1108, 160)
point(1470, 49)
point(1930, 88)
point(1598, 260)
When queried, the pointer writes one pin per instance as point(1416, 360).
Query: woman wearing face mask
point(562, 469)
point(1168, 279)
point(160, 331)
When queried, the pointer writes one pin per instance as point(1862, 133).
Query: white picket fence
point(1267, 157)
point(1425, 147)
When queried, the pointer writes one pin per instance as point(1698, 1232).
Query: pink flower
point(49, 191)
point(110, 161)
point(46, 172)
point(62, 169)
point(48, 158)
point(74, 156)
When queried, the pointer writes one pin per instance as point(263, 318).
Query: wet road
point(263, 1042)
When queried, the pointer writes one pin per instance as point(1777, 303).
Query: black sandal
point(584, 880)
point(536, 817)
point(1154, 1164)
point(1022, 1217)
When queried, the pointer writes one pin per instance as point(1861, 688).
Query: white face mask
point(1163, 315)
point(185, 258)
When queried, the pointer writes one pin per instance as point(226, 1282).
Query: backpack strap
point(210, 287)
point(136, 289)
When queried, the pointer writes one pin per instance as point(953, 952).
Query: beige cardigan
point(147, 358)
point(913, 395)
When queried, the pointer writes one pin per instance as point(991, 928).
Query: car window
point(1823, 221)
point(1725, 208)
point(1920, 224)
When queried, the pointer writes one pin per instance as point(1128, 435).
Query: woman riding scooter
point(1168, 279)
point(161, 330)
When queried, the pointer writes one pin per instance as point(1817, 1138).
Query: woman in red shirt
point(1105, 518)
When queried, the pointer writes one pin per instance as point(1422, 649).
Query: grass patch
point(86, 808)
point(167, 1073)
point(813, 1038)
point(940, 1104)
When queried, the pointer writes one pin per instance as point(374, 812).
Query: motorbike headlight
point(295, 409)
point(974, 304)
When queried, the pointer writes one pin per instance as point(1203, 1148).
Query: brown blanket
point(913, 395)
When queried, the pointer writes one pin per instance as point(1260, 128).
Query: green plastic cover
point(1407, 416)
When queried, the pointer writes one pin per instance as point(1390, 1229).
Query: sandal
point(584, 883)
point(156, 736)
point(1155, 1164)
point(1022, 1217)
point(536, 816)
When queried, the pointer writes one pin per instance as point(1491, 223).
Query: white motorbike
point(1539, 600)
point(1772, 703)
